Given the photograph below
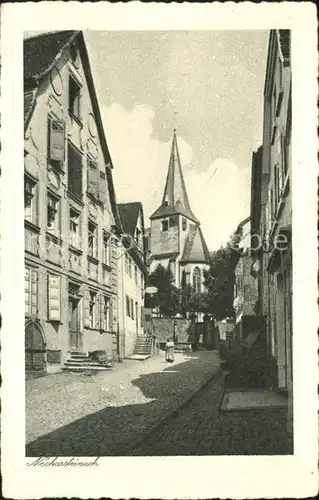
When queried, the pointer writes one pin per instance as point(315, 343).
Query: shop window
point(165, 225)
point(74, 98)
point(31, 291)
point(53, 213)
point(74, 172)
point(30, 200)
point(106, 248)
point(92, 309)
point(74, 228)
point(92, 240)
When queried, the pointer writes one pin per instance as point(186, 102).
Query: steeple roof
point(175, 199)
point(195, 249)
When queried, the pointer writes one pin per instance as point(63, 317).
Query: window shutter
point(27, 291)
point(102, 302)
point(34, 292)
point(103, 188)
point(86, 308)
point(92, 179)
point(54, 283)
point(57, 140)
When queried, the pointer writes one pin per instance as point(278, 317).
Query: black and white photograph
point(159, 244)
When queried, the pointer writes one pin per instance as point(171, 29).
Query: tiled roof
point(41, 51)
point(195, 249)
point(284, 37)
point(129, 214)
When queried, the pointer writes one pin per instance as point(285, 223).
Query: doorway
point(74, 323)
point(34, 347)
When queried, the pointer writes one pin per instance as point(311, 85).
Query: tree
point(167, 297)
point(220, 279)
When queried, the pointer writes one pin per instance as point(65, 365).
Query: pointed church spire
point(175, 198)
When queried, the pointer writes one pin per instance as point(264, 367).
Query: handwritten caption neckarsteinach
point(58, 462)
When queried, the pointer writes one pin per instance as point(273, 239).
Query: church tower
point(176, 239)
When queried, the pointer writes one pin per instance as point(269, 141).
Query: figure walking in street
point(169, 356)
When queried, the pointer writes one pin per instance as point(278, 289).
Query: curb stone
point(135, 443)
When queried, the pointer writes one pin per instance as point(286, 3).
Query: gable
point(195, 249)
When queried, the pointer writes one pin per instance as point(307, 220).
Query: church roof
point(129, 213)
point(195, 249)
point(175, 199)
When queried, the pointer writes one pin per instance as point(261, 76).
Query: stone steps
point(80, 362)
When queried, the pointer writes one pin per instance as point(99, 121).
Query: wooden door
point(34, 347)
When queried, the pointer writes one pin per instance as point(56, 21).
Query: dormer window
point(164, 225)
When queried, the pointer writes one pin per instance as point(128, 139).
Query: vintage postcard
point(158, 250)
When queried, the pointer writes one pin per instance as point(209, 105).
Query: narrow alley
point(201, 428)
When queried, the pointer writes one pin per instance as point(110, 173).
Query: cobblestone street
point(104, 414)
point(201, 429)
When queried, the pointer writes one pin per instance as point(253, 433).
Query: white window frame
point(92, 235)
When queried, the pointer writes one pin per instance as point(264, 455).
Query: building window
point(53, 213)
point(128, 306)
point(92, 309)
point(74, 172)
point(184, 224)
point(74, 228)
point(30, 200)
point(106, 313)
point(135, 274)
point(197, 284)
point(165, 225)
point(92, 239)
point(106, 248)
point(126, 263)
point(74, 98)
point(30, 291)
point(132, 309)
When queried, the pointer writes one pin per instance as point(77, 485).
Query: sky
point(207, 84)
